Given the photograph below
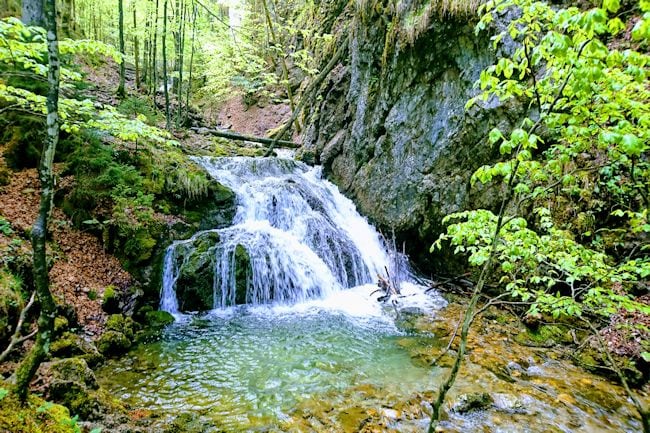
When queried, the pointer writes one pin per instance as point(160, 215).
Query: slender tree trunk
point(189, 83)
point(164, 59)
point(39, 351)
point(32, 13)
point(136, 46)
point(154, 64)
point(283, 63)
point(121, 92)
point(181, 61)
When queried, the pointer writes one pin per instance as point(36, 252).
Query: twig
point(16, 338)
point(451, 341)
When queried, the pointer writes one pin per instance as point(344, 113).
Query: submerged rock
point(469, 402)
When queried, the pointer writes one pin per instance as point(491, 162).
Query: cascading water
point(302, 238)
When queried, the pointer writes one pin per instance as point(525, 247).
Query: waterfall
point(297, 236)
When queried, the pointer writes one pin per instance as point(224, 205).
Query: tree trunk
point(121, 92)
point(164, 59)
point(283, 63)
point(33, 14)
point(189, 82)
point(181, 61)
point(154, 63)
point(39, 351)
point(136, 47)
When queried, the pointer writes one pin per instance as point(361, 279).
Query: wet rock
point(351, 419)
point(510, 403)
point(410, 125)
point(243, 274)
point(194, 287)
point(154, 322)
point(470, 402)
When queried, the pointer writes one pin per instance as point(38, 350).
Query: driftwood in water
point(241, 137)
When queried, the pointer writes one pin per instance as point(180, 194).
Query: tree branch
point(16, 338)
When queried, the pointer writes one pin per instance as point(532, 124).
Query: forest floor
point(82, 269)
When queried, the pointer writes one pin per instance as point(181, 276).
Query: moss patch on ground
point(36, 416)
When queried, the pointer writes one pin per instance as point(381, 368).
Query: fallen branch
point(451, 341)
point(315, 83)
point(16, 338)
point(241, 137)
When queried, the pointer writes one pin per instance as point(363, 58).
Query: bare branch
point(16, 338)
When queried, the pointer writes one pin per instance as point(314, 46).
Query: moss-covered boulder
point(158, 319)
point(72, 383)
point(194, 287)
point(121, 323)
point(73, 345)
point(119, 335)
point(590, 357)
point(113, 343)
point(153, 323)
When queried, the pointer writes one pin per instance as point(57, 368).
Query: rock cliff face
point(392, 132)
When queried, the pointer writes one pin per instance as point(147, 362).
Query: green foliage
point(583, 249)
point(24, 53)
point(5, 227)
point(134, 106)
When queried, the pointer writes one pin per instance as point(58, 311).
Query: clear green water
point(245, 367)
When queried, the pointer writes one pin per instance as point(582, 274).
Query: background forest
point(504, 144)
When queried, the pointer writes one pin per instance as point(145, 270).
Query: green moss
point(61, 325)
point(121, 323)
point(545, 336)
point(113, 343)
point(158, 319)
point(110, 302)
point(36, 416)
point(73, 384)
point(70, 344)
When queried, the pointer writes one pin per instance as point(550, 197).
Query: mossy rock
point(158, 319)
point(61, 325)
point(545, 336)
point(110, 300)
point(113, 343)
point(36, 416)
point(597, 362)
point(70, 344)
point(122, 324)
point(243, 274)
point(194, 287)
point(73, 384)
point(72, 370)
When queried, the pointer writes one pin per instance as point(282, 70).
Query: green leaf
point(3, 393)
point(632, 145)
point(612, 5)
